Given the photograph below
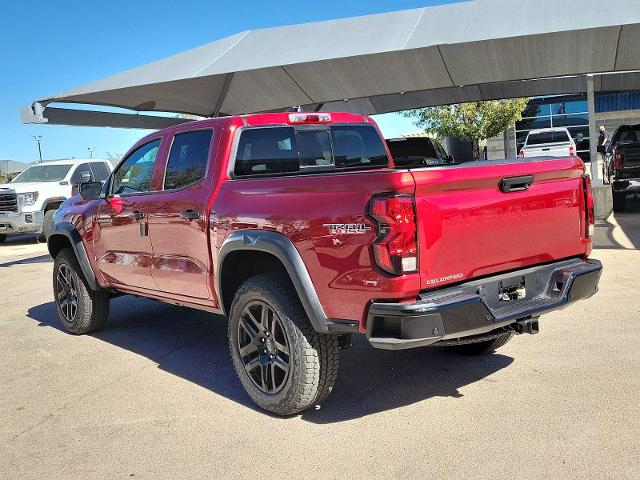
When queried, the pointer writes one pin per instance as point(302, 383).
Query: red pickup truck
point(300, 229)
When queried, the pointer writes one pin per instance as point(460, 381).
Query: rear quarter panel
point(341, 265)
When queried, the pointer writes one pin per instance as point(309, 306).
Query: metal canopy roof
point(480, 50)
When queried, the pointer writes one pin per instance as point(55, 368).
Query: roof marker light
point(309, 117)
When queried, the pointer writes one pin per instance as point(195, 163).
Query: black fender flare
point(283, 249)
point(70, 232)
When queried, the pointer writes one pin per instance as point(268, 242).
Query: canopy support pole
point(593, 132)
point(223, 95)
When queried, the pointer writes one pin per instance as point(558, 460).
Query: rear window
point(627, 135)
point(290, 150)
point(547, 137)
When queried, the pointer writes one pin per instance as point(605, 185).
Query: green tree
point(474, 121)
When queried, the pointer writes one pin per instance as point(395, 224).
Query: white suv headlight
point(28, 199)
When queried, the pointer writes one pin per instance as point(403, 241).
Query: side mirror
point(451, 159)
point(90, 190)
point(85, 177)
point(579, 137)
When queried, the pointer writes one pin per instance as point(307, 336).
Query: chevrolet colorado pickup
point(27, 204)
point(300, 229)
point(622, 162)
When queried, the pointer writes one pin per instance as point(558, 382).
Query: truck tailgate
point(469, 227)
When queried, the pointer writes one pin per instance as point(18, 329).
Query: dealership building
point(571, 111)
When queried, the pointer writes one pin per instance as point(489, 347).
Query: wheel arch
point(65, 235)
point(262, 249)
point(49, 203)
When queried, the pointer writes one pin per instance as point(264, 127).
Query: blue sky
point(50, 46)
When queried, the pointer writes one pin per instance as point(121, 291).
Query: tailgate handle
point(516, 184)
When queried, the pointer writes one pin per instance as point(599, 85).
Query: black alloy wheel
point(263, 347)
point(67, 292)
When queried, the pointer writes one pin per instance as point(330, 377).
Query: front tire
point(284, 365)
point(3, 237)
point(480, 348)
point(80, 309)
point(47, 225)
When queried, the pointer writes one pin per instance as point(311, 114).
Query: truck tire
point(3, 237)
point(479, 348)
point(47, 224)
point(80, 309)
point(284, 365)
point(619, 202)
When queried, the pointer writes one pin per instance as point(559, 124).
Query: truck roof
point(70, 161)
point(553, 129)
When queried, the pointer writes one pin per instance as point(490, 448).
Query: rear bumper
point(474, 308)
point(627, 185)
point(25, 222)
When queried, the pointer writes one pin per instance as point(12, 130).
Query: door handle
point(137, 215)
point(516, 184)
point(190, 215)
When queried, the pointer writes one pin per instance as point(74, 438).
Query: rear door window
point(100, 171)
point(541, 138)
point(290, 150)
point(188, 159)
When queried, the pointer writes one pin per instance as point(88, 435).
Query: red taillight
point(396, 249)
point(590, 219)
point(572, 151)
point(617, 159)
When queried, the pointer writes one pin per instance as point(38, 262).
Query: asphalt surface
point(154, 394)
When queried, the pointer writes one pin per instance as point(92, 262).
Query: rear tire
point(284, 365)
point(80, 309)
point(619, 202)
point(480, 348)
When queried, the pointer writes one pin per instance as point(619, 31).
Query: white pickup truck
point(548, 142)
point(27, 204)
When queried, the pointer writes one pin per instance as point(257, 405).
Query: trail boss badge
point(347, 228)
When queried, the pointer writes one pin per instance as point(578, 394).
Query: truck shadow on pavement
point(621, 231)
point(27, 261)
point(193, 346)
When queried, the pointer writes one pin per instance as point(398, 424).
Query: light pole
point(38, 138)
point(91, 149)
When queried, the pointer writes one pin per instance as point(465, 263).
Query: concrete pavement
point(154, 394)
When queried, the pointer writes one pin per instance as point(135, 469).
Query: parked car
point(415, 152)
point(622, 164)
point(28, 202)
point(548, 142)
point(301, 229)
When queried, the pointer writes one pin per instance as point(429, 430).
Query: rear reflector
point(309, 117)
point(396, 248)
point(590, 219)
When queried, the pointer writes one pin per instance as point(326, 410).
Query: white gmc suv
point(27, 204)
